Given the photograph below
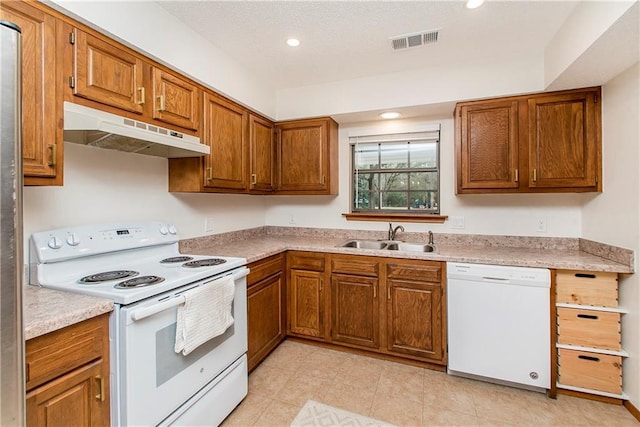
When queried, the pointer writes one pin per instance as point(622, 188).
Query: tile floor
point(402, 395)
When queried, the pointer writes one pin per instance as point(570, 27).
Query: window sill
point(390, 217)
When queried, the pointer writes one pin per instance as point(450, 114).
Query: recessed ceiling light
point(293, 42)
point(472, 4)
point(390, 115)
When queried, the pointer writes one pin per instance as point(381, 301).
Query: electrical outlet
point(541, 225)
point(209, 224)
point(457, 221)
point(292, 219)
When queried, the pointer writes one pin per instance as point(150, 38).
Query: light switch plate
point(209, 223)
point(457, 221)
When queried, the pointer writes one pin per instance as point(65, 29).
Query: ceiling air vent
point(414, 40)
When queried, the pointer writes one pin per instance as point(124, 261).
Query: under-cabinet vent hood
point(88, 126)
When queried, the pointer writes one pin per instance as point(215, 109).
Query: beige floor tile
point(298, 389)
point(501, 406)
point(349, 397)
point(448, 418)
point(449, 398)
point(403, 382)
point(360, 371)
point(278, 414)
point(322, 363)
point(600, 413)
point(267, 380)
point(248, 412)
point(289, 355)
point(396, 410)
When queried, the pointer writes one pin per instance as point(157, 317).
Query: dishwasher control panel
point(524, 276)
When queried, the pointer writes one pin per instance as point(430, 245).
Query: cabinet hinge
point(596, 179)
point(72, 82)
point(595, 99)
point(72, 38)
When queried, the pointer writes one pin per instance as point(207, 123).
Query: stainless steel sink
point(388, 245)
point(364, 244)
point(410, 247)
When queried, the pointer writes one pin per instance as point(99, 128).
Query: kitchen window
point(396, 173)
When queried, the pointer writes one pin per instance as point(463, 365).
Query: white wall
point(502, 214)
point(107, 186)
point(432, 85)
point(147, 26)
point(614, 216)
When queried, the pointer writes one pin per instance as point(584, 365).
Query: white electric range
point(139, 267)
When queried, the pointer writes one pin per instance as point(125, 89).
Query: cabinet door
point(414, 319)
point(107, 74)
point(262, 152)
point(563, 140)
point(225, 132)
point(265, 317)
point(305, 303)
point(40, 109)
point(303, 156)
point(79, 398)
point(176, 101)
point(354, 310)
point(488, 146)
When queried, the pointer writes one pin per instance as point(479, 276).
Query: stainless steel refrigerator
point(12, 399)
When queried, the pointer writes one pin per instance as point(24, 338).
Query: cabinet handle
point(209, 174)
point(535, 176)
point(321, 285)
point(389, 292)
point(517, 177)
point(142, 96)
point(587, 316)
point(54, 154)
point(324, 179)
point(585, 275)
point(375, 292)
point(161, 100)
point(100, 395)
point(590, 358)
point(254, 179)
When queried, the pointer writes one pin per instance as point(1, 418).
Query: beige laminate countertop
point(46, 310)
point(261, 247)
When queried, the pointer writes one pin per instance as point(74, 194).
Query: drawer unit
point(587, 288)
point(306, 261)
point(360, 266)
point(588, 370)
point(425, 271)
point(589, 328)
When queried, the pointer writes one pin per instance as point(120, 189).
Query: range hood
point(88, 126)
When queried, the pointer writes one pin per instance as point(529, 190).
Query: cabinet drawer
point(306, 261)
point(587, 288)
point(360, 266)
point(590, 370)
point(423, 272)
point(264, 268)
point(61, 351)
point(589, 328)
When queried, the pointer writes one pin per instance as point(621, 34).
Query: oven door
point(154, 380)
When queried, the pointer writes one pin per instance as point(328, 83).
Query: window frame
point(433, 135)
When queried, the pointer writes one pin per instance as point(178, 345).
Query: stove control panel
point(75, 242)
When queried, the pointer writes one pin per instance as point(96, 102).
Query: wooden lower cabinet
point(355, 310)
point(305, 294)
point(265, 308)
point(67, 376)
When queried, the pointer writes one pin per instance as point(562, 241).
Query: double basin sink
point(388, 245)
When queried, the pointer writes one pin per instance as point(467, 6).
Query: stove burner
point(176, 259)
point(139, 282)
point(204, 262)
point(108, 275)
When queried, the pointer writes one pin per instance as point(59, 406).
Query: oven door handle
point(144, 312)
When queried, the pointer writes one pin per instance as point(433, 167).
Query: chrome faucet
point(394, 231)
point(431, 237)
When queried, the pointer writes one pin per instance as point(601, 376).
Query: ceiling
point(344, 40)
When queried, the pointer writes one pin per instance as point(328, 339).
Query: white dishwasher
point(498, 323)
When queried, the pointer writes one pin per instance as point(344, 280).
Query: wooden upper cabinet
point(546, 142)
point(41, 112)
point(563, 141)
point(261, 154)
point(107, 74)
point(489, 146)
point(307, 156)
point(175, 100)
point(225, 131)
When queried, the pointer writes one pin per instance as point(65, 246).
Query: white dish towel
point(205, 314)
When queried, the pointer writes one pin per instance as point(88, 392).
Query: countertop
point(260, 247)
point(46, 310)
